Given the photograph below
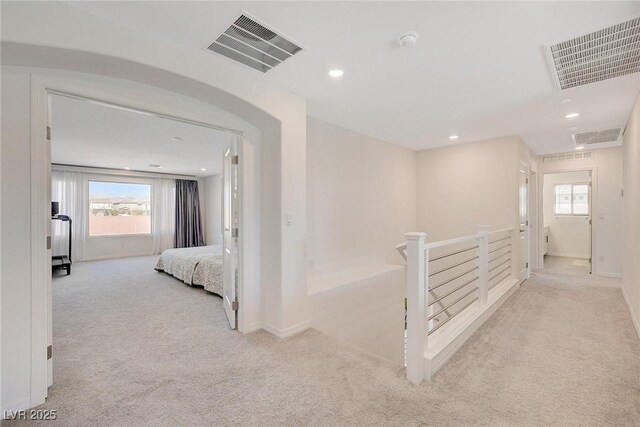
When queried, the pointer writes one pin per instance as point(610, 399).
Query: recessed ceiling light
point(580, 147)
point(336, 73)
point(453, 137)
point(176, 138)
point(572, 115)
point(566, 100)
point(573, 128)
point(127, 168)
point(203, 169)
point(156, 166)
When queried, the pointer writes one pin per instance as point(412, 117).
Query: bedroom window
point(571, 199)
point(118, 208)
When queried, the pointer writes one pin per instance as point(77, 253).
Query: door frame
point(533, 220)
point(592, 206)
point(525, 168)
point(41, 88)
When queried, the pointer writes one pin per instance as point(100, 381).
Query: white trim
point(287, 332)
point(121, 172)
point(252, 327)
point(592, 208)
point(40, 257)
point(634, 319)
point(568, 255)
point(136, 109)
point(612, 275)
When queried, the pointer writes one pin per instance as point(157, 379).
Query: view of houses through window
point(117, 208)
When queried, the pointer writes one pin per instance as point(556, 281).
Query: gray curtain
point(188, 223)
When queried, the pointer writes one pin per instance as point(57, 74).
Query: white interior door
point(533, 220)
point(48, 285)
point(590, 220)
point(523, 233)
point(231, 232)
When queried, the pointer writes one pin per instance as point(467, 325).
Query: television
point(55, 208)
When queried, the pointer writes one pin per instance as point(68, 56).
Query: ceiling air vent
point(252, 44)
point(567, 156)
point(604, 54)
point(597, 137)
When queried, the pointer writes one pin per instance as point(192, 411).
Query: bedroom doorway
point(115, 171)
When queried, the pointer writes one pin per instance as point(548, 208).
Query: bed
point(200, 266)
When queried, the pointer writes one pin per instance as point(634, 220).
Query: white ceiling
point(91, 134)
point(478, 69)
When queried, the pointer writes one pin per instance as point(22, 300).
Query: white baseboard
point(605, 274)
point(634, 318)
point(288, 331)
point(252, 327)
point(568, 255)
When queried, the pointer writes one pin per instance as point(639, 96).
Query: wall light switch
point(288, 218)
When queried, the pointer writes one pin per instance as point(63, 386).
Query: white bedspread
point(194, 266)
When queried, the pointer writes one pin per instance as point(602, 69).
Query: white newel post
point(483, 264)
point(416, 306)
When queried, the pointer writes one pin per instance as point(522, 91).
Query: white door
point(589, 220)
point(48, 283)
point(523, 233)
point(231, 232)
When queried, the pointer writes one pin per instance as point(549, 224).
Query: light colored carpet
point(567, 265)
point(136, 347)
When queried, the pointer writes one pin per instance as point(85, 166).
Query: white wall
point(15, 247)
point(361, 197)
point(631, 168)
point(367, 313)
point(466, 185)
point(569, 236)
point(607, 231)
point(212, 190)
point(361, 200)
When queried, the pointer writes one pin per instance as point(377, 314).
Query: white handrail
point(503, 230)
point(473, 294)
point(402, 249)
point(441, 243)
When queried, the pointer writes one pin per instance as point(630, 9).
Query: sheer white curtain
point(163, 213)
point(71, 190)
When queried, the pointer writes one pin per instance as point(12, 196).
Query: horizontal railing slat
point(457, 300)
point(444, 322)
point(441, 297)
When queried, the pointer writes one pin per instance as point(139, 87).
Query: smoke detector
point(408, 39)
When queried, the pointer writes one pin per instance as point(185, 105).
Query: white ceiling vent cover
point(254, 45)
point(604, 54)
point(597, 137)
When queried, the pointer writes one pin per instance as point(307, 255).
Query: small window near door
point(571, 199)
point(118, 208)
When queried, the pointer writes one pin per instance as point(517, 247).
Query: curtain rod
point(120, 172)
